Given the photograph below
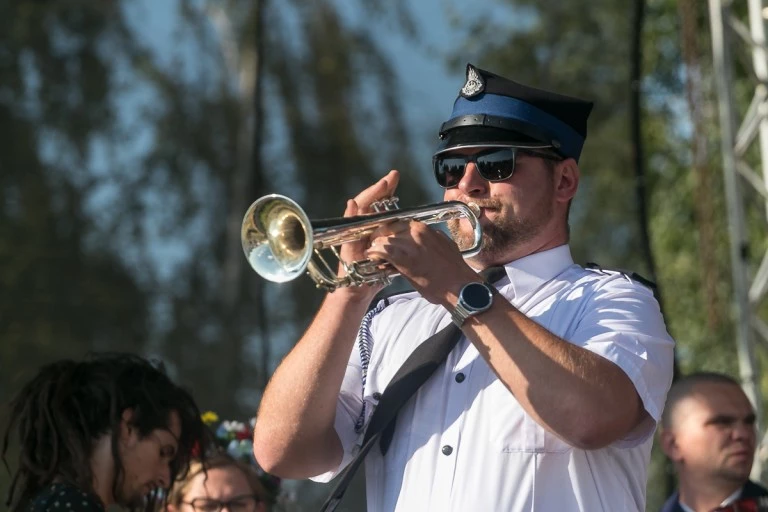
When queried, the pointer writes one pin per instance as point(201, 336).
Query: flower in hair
point(210, 417)
point(236, 439)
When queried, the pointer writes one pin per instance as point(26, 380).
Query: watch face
point(476, 296)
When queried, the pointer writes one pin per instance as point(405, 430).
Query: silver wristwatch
point(474, 298)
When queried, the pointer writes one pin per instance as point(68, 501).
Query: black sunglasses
point(494, 164)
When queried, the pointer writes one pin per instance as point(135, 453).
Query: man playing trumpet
point(549, 400)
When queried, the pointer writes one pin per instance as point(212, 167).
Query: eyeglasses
point(494, 164)
point(242, 503)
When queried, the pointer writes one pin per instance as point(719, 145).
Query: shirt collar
point(727, 501)
point(733, 497)
point(527, 274)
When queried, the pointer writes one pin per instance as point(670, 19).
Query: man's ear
point(668, 443)
point(567, 176)
point(126, 423)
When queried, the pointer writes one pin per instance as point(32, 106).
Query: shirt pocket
point(513, 430)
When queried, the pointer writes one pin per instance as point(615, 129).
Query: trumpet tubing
point(281, 243)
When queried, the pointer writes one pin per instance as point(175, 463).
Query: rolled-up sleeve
point(623, 323)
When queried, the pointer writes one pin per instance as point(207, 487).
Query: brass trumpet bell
point(275, 238)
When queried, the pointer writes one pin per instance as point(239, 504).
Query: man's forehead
point(713, 398)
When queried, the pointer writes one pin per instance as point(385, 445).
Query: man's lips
point(485, 211)
point(740, 454)
point(481, 213)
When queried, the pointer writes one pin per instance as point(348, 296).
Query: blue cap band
point(570, 141)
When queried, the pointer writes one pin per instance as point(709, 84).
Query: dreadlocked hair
point(68, 405)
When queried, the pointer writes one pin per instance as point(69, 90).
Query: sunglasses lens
point(449, 170)
point(496, 165)
point(493, 165)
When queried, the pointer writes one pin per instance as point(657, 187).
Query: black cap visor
point(463, 133)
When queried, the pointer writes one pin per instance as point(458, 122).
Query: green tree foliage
point(63, 293)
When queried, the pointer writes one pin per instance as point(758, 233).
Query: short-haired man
point(708, 432)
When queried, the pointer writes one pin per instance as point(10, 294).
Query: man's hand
point(361, 205)
point(427, 258)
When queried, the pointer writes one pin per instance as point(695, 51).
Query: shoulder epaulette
point(628, 273)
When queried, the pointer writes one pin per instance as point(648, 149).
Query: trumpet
point(281, 243)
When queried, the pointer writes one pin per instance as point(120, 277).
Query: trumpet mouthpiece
point(475, 208)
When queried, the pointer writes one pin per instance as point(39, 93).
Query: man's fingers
point(392, 180)
point(371, 194)
point(390, 228)
point(385, 187)
point(351, 209)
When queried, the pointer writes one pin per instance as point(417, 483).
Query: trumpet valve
point(386, 204)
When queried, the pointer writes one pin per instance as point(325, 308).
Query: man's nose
point(743, 431)
point(472, 182)
point(164, 478)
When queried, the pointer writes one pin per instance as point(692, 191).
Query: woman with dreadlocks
point(111, 429)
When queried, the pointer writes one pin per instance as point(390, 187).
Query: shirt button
point(377, 396)
point(447, 450)
point(460, 377)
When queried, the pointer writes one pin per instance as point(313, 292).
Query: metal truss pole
point(746, 296)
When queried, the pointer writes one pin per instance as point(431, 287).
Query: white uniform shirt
point(464, 443)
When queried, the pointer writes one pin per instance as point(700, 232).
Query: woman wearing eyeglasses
point(228, 483)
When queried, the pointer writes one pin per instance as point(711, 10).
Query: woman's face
point(223, 487)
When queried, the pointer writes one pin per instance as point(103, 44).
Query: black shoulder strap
point(419, 366)
point(399, 286)
point(629, 273)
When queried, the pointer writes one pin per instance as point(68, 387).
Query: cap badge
point(474, 84)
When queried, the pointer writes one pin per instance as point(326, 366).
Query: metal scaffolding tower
point(728, 31)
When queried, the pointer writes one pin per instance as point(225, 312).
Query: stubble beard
point(504, 233)
point(735, 474)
